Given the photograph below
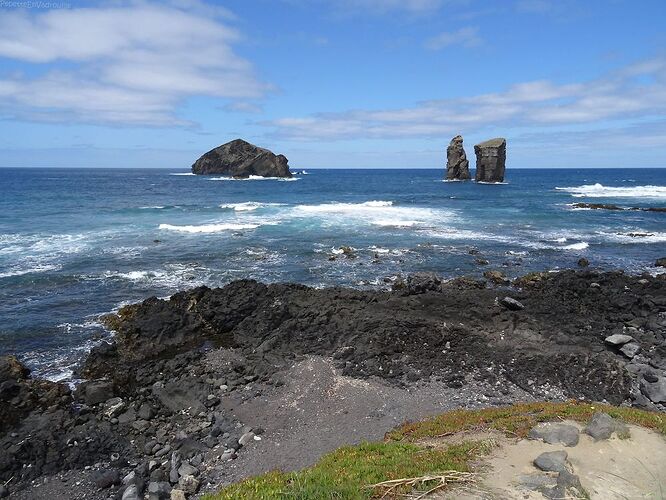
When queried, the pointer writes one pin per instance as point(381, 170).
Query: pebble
point(189, 484)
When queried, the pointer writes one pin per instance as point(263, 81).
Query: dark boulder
point(457, 165)
point(660, 262)
point(490, 160)
point(12, 369)
point(239, 158)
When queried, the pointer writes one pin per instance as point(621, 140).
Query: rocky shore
point(191, 384)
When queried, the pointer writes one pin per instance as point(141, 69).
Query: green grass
point(518, 419)
point(347, 472)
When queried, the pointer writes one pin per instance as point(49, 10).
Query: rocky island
point(239, 158)
point(213, 385)
point(490, 160)
point(457, 165)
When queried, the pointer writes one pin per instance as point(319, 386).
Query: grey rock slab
point(189, 484)
point(602, 426)
point(630, 349)
point(655, 391)
point(246, 438)
point(555, 433)
point(131, 493)
point(552, 461)
point(618, 339)
point(159, 490)
point(512, 304)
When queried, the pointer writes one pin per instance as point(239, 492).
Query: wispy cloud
point(635, 92)
point(466, 37)
point(122, 64)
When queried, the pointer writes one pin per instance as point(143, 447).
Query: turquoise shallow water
point(78, 243)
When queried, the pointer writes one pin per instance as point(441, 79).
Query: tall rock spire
point(457, 166)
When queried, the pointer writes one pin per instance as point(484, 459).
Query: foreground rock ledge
point(241, 159)
point(155, 402)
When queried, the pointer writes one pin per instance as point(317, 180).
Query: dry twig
point(442, 479)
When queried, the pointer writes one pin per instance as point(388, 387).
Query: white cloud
point(635, 92)
point(131, 63)
point(467, 37)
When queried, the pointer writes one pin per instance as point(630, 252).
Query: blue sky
point(337, 83)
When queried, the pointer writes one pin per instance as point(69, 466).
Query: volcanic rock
point(555, 433)
point(552, 461)
point(241, 159)
point(12, 369)
point(490, 160)
point(602, 426)
point(457, 165)
point(661, 262)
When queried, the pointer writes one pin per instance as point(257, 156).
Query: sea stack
point(490, 160)
point(241, 159)
point(457, 166)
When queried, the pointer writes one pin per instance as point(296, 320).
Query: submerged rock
point(457, 165)
point(239, 158)
point(490, 160)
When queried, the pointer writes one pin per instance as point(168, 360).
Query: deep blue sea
point(75, 244)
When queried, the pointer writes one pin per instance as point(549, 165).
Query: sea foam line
point(208, 228)
point(600, 191)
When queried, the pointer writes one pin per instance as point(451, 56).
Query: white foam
point(626, 238)
point(374, 212)
point(248, 206)
point(254, 178)
point(576, 246)
point(492, 183)
point(601, 191)
point(208, 228)
point(39, 268)
point(184, 173)
point(154, 207)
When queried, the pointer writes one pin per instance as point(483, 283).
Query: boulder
point(497, 277)
point(512, 304)
point(490, 160)
point(106, 478)
point(12, 369)
point(618, 339)
point(555, 433)
point(423, 282)
point(602, 426)
point(457, 165)
point(95, 391)
point(654, 388)
point(583, 262)
point(239, 158)
point(661, 262)
point(552, 461)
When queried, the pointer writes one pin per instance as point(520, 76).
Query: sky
point(333, 83)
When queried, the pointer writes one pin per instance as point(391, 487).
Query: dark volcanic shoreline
point(166, 404)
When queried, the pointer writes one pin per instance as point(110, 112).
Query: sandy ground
point(614, 469)
point(319, 410)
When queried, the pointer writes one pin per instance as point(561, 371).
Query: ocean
point(78, 243)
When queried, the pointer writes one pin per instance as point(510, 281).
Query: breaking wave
point(600, 191)
point(208, 228)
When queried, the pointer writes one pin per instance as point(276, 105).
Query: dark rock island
point(457, 165)
point(239, 158)
point(490, 160)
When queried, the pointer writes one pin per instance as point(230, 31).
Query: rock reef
point(241, 159)
point(490, 160)
point(155, 408)
point(457, 165)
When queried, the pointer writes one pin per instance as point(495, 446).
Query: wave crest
point(600, 191)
